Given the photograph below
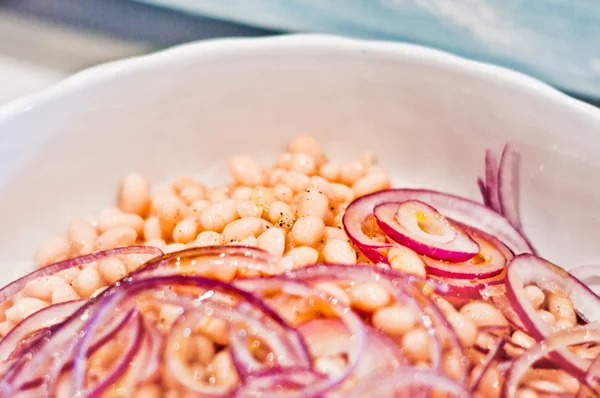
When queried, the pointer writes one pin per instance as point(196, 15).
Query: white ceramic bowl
point(427, 115)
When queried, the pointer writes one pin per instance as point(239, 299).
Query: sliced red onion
point(147, 361)
point(329, 337)
point(13, 288)
point(400, 382)
point(489, 359)
point(200, 259)
point(555, 343)
point(497, 294)
point(508, 185)
point(466, 288)
point(176, 367)
point(485, 196)
point(405, 289)
point(491, 180)
point(276, 381)
point(588, 274)
point(114, 326)
point(42, 319)
point(488, 263)
point(454, 208)
point(352, 322)
point(527, 269)
point(421, 228)
point(133, 343)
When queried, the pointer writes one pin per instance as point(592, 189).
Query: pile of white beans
point(294, 211)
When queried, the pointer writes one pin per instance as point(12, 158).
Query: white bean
point(297, 181)
point(483, 313)
point(173, 247)
point(152, 228)
point(218, 215)
point(547, 317)
point(193, 193)
point(272, 241)
point(395, 320)
point(132, 221)
point(168, 314)
point(63, 293)
point(405, 260)
point(112, 269)
point(335, 291)
point(121, 236)
point(324, 186)
point(24, 307)
point(369, 184)
point(535, 296)
point(330, 171)
point(135, 195)
point(242, 228)
point(562, 308)
point(282, 214)
point(416, 344)
point(303, 163)
point(241, 193)
point(332, 366)
point(82, 236)
point(339, 251)
point(41, 288)
point(54, 250)
point(148, 391)
point(208, 238)
point(198, 207)
point(246, 171)
point(465, 329)
point(368, 296)
point(135, 260)
point(156, 242)
point(186, 230)
point(351, 172)
point(341, 193)
point(87, 282)
point(224, 370)
point(299, 257)
point(312, 203)
point(306, 144)
point(247, 208)
point(283, 193)
point(308, 230)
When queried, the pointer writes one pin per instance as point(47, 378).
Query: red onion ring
point(528, 269)
point(555, 343)
point(402, 222)
point(42, 319)
point(115, 326)
point(134, 339)
point(468, 289)
point(390, 384)
point(489, 359)
point(485, 196)
point(399, 286)
point(508, 185)
point(8, 291)
point(588, 274)
point(455, 208)
point(351, 320)
point(329, 337)
point(488, 263)
point(237, 257)
point(491, 181)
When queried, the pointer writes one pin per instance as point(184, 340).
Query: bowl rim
point(106, 71)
